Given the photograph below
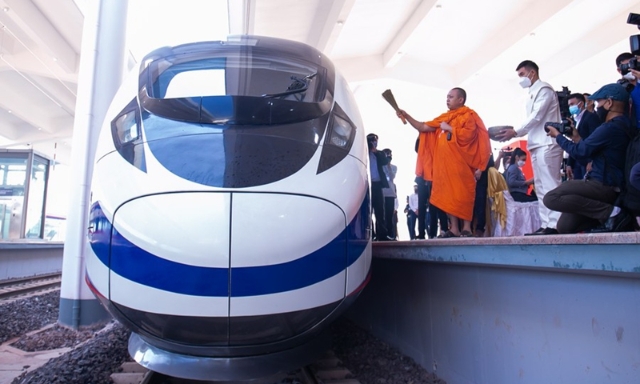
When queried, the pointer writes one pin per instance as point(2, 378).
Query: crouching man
point(588, 204)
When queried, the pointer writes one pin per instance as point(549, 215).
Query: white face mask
point(629, 76)
point(520, 163)
point(525, 82)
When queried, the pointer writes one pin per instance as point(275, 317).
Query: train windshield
point(236, 74)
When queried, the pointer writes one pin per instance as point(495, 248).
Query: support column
point(100, 76)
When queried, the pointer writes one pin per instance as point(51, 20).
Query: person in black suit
point(377, 159)
point(587, 122)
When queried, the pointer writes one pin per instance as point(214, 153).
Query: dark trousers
point(389, 207)
point(583, 203)
point(411, 224)
point(480, 206)
point(523, 197)
point(424, 191)
point(436, 214)
point(377, 202)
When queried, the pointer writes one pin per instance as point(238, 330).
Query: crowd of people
point(384, 200)
point(586, 166)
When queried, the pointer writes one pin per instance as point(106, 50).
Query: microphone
point(448, 136)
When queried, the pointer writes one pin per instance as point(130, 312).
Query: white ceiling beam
point(9, 45)
point(64, 134)
point(39, 29)
point(27, 137)
point(370, 68)
point(396, 49)
point(23, 136)
point(242, 16)
point(13, 37)
point(58, 91)
point(328, 20)
point(10, 131)
point(590, 44)
point(510, 33)
point(21, 107)
point(24, 63)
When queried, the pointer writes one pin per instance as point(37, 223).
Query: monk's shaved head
point(456, 98)
point(461, 93)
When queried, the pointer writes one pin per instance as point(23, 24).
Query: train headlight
point(125, 132)
point(126, 127)
point(341, 132)
point(338, 140)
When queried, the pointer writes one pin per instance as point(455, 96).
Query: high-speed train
point(230, 214)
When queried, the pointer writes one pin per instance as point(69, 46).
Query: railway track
point(19, 288)
point(327, 370)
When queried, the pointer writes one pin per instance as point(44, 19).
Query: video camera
point(564, 127)
point(632, 64)
point(626, 83)
point(634, 44)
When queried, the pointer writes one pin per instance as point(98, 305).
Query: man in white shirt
point(546, 154)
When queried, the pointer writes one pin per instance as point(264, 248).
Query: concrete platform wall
point(23, 259)
point(554, 313)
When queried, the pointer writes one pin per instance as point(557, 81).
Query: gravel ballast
point(28, 314)
point(100, 351)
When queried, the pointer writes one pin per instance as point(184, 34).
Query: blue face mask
point(574, 110)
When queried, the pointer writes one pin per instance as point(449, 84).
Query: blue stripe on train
point(142, 267)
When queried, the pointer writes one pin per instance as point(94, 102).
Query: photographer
point(628, 68)
point(587, 122)
point(628, 81)
point(587, 204)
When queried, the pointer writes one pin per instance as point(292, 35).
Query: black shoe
point(621, 222)
point(538, 232)
point(543, 231)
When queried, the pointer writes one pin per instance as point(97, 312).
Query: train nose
point(288, 262)
point(241, 268)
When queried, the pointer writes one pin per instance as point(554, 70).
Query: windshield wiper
point(297, 86)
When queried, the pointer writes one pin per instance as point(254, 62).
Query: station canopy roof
point(433, 44)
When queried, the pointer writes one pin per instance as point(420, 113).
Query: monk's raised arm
point(419, 125)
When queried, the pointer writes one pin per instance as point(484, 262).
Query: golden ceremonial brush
point(387, 95)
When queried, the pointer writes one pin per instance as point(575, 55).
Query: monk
point(454, 150)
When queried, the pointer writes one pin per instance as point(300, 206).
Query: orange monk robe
point(451, 164)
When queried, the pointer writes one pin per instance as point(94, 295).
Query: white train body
point(230, 218)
